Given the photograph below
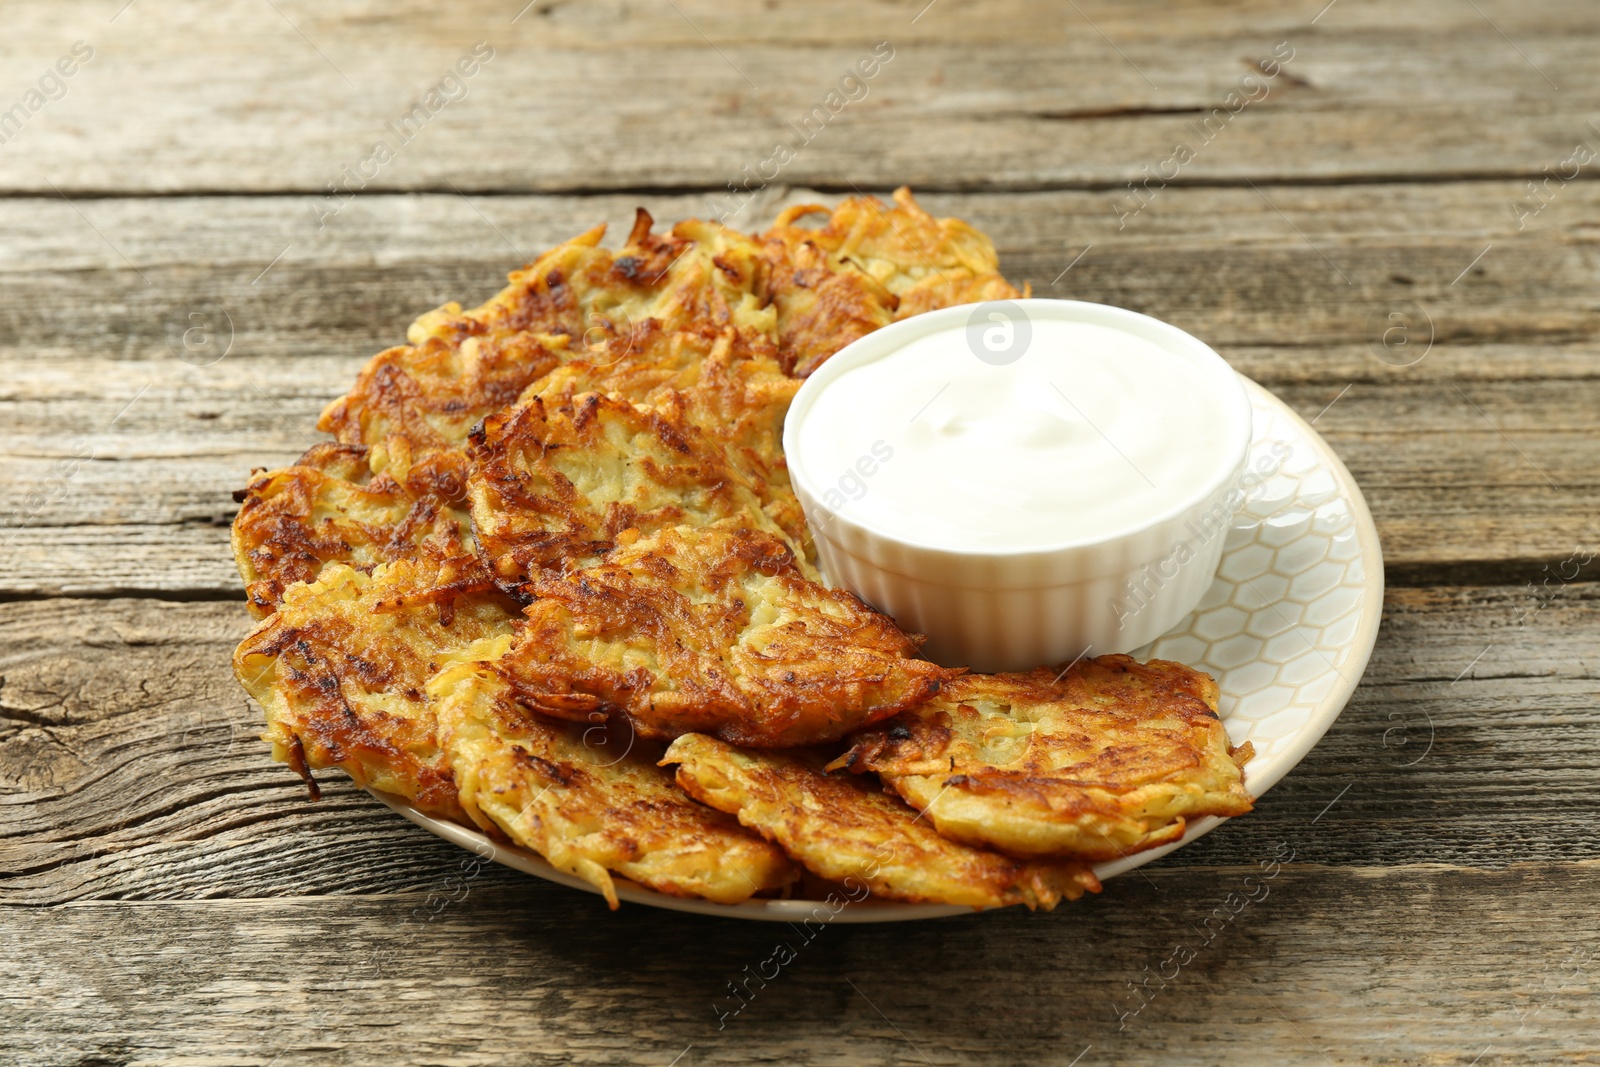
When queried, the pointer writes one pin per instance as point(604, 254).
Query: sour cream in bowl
point(1023, 481)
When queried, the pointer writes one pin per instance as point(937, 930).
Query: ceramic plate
point(1286, 629)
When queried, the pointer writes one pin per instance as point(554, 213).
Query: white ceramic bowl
point(996, 609)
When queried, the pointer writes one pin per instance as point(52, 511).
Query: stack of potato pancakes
point(550, 580)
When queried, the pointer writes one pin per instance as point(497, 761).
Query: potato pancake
point(341, 669)
point(409, 402)
point(462, 365)
point(554, 483)
point(328, 508)
point(1112, 757)
point(714, 630)
point(867, 266)
point(413, 406)
point(841, 829)
point(590, 799)
point(727, 384)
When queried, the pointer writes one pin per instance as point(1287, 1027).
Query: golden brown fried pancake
point(843, 830)
point(699, 274)
point(1113, 758)
point(554, 483)
point(590, 799)
point(413, 406)
point(327, 508)
point(463, 365)
point(410, 401)
point(714, 630)
point(341, 668)
point(724, 382)
point(869, 265)
point(823, 302)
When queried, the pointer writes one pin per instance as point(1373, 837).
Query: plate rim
point(1322, 718)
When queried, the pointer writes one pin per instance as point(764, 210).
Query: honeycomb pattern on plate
point(1278, 626)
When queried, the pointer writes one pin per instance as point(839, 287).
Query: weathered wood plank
point(1498, 474)
point(1411, 964)
point(129, 767)
point(1221, 262)
point(609, 22)
point(90, 352)
point(609, 98)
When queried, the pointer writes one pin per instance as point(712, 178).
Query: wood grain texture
point(612, 96)
point(121, 442)
point(1495, 964)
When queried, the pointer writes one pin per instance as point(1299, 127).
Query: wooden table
point(1355, 229)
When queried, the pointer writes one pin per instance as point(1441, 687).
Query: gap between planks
point(591, 191)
